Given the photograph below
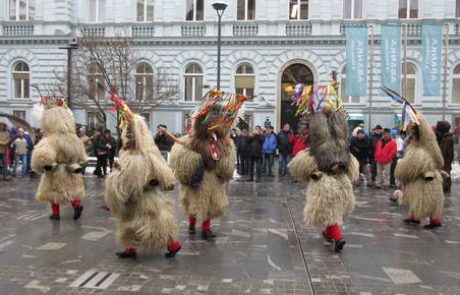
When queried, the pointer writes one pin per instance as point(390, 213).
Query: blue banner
point(431, 59)
point(356, 60)
point(390, 47)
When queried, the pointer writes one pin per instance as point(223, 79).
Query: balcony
point(143, 30)
point(94, 30)
point(244, 29)
point(18, 29)
point(298, 29)
point(193, 30)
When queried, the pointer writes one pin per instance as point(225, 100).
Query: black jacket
point(163, 142)
point(284, 146)
point(242, 144)
point(256, 142)
point(360, 148)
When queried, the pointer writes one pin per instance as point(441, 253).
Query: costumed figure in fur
point(134, 192)
point(420, 170)
point(205, 160)
point(329, 170)
point(60, 156)
point(421, 176)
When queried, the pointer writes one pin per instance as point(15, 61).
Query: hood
point(443, 127)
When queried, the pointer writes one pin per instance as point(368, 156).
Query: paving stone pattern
point(263, 247)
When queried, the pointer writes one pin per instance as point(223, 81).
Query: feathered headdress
point(48, 102)
point(125, 114)
point(408, 113)
point(224, 106)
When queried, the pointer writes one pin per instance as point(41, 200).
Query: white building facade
point(266, 44)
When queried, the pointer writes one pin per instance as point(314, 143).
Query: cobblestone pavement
point(263, 247)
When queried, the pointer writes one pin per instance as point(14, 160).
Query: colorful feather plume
point(124, 112)
point(409, 114)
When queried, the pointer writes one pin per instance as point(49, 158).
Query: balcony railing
point(245, 29)
point(94, 31)
point(18, 29)
point(193, 30)
point(296, 29)
point(143, 31)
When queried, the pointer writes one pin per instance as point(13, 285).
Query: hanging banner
point(390, 47)
point(431, 59)
point(356, 60)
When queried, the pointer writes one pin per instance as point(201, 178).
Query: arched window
point(22, 10)
point(245, 80)
point(298, 9)
point(246, 10)
point(21, 80)
point(456, 85)
point(145, 10)
point(193, 82)
point(144, 82)
point(96, 83)
point(411, 91)
point(343, 86)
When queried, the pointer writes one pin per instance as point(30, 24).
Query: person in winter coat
point(242, 143)
point(446, 143)
point(360, 149)
point(269, 149)
point(385, 151)
point(163, 141)
point(4, 138)
point(20, 146)
point(104, 147)
point(374, 138)
point(256, 141)
point(299, 141)
point(284, 148)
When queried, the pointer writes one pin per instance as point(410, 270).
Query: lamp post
point(73, 44)
point(219, 6)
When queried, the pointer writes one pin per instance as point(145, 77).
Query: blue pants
point(4, 165)
point(284, 160)
point(22, 158)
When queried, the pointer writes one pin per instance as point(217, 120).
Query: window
point(457, 8)
point(22, 9)
point(408, 9)
point(193, 82)
point(96, 11)
point(21, 80)
point(411, 91)
point(144, 82)
point(298, 9)
point(194, 10)
point(95, 82)
point(343, 86)
point(245, 80)
point(246, 10)
point(456, 85)
point(145, 10)
point(20, 114)
point(92, 120)
point(352, 9)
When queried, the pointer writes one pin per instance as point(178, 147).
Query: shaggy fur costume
point(330, 198)
point(60, 155)
point(133, 192)
point(420, 173)
point(208, 200)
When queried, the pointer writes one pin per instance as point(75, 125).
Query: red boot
point(128, 252)
point(191, 225)
point(434, 223)
point(55, 215)
point(173, 248)
point(77, 208)
point(412, 220)
point(206, 232)
point(334, 234)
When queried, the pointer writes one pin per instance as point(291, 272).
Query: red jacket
point(299, 143)
point(385, 154)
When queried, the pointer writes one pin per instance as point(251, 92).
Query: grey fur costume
point(134, 193)
point(209, 199)
point(329, 170)
point(420, 172)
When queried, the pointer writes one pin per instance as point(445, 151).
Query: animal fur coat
point(420, 173)
point(134, 192)
point(329, 197)
point(60, 155)
point(209, 198)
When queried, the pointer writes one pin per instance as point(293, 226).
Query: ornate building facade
point(265, 45)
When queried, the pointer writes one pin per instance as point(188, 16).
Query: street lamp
point(73, 44)
point(219, 6)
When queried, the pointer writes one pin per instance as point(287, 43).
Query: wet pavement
point(263, 247)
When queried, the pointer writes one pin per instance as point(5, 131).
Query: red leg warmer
point(435, 221)
point(191, 220)
point(76, 203)
point(55, 209)
point(206, 225)
point(333, 232)
point(174, 246)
